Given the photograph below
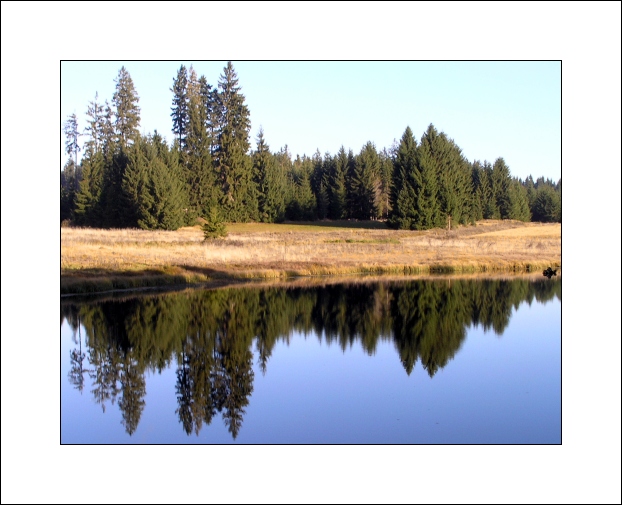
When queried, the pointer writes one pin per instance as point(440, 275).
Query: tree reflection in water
point(210, 335)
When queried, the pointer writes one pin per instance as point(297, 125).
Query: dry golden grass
point(131, 258)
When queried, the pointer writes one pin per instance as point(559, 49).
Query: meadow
point(95, 260)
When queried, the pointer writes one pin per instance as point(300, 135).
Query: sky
point(491, 109)
point(37, 36)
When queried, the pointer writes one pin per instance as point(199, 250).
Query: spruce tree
point(179, 110)
point(270, 182)
point(72, 134)
point(127, 110)
point(403, 196)
point(501, 182)
point(88, 211)
point(337, 185)
point(365, 184)
point(95, 128)
point(153, 186)
point(239, 196)
point(547, 205)
point(198, 163)
point(519, 202)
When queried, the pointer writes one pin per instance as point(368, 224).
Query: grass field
point(97, 260)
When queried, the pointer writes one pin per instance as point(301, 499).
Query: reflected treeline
point(210, 335)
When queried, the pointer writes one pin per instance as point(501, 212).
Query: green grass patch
point(301, 226)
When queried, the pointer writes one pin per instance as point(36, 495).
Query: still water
point(445, 361)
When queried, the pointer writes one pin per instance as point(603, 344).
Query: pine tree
point(127, 111)
point(239, 196)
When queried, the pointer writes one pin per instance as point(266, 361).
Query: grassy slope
point(98, 260)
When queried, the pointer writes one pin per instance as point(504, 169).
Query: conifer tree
point(547, 205)
point(72, 134)
point(200, 175)
point(239, 196)
point(180, 107)
point(270, 181)
point(153, 186)
point(386, 177)
point(365, 184)
point(95, 128)
point(337, 185)
point(501, 181)
point(88, 210)
point(428, 212)
point(403, 197)
point(127, 111)
point(519, 203)
point(486, 194)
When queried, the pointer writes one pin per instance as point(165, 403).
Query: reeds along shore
point(95, 260)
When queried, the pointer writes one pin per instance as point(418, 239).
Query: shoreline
point(98, 261)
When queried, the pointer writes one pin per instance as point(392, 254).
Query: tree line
point(211, 335)
point(210, 170)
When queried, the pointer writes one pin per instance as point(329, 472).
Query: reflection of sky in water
point(496, 389)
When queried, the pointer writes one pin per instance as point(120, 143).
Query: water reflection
point(209, 335)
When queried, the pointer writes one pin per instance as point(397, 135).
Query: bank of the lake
point(95, 260)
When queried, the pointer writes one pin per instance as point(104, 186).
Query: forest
point(124, 179)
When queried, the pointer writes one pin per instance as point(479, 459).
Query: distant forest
point(210, 170)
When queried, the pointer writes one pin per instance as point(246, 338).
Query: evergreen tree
point(214, 227)
point(303, 205)
point(476, 182)
point(486, 193)
point(531, 190)
point(403, 196)
point(386, 177)
point(452, 175)
point(88, 211)
point(95, 128)
point(127, 111)
point(180, 106)
point(365, 184)
point(153, 186)
point(200, 175)
point(428, 213)
point(519, 203)
point(547, 205)
point(501, 182)
point(270, 181)
point(72, 135)
point(239, 196)
point(338, 192)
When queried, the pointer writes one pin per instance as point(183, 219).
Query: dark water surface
point(411, 362)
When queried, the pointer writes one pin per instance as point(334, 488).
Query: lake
point(439, 361)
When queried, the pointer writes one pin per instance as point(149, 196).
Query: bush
point(214, 226)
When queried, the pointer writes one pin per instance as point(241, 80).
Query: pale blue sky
point(510, 109)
